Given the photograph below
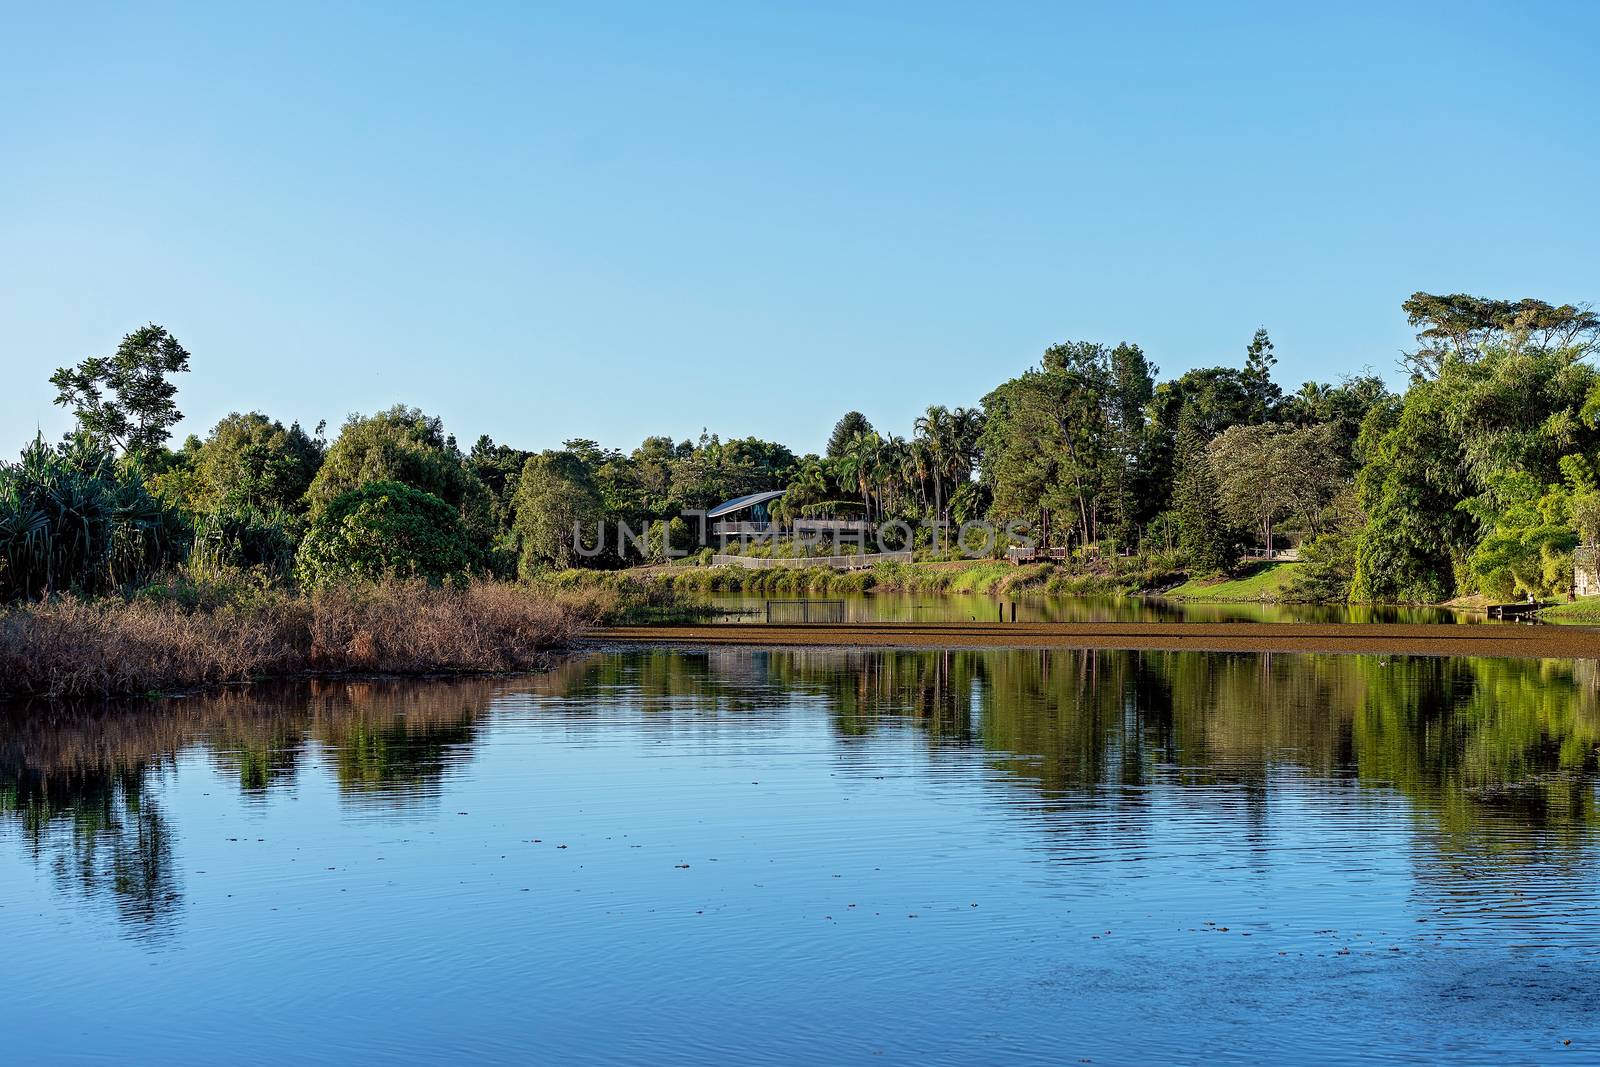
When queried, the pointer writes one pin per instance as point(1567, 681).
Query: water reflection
point(99, 833)
point(75, 783)
point(1036, 607)
point(1467, 740)
point(1496, 759)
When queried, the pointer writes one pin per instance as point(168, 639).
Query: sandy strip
point(1529, 641)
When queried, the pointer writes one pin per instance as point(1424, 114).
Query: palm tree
point(936, 430)
point(914, 470)
point(890, 463)
point(965, 426)
point(808, 486)
point(856, 464)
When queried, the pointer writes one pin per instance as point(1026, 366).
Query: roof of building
point(739, 503)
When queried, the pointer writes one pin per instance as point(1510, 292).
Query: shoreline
point(1414, 639)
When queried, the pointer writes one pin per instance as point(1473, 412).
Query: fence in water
point(805, 611)
point(848, 562)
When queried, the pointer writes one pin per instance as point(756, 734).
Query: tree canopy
point(556, 501)
point(404, 445)
point(127, 398)
point(384, 529)
point(851, 425)
point(247, 462)
point(1480, 477)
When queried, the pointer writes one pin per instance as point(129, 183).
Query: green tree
point(231, 539)
point(857, 463)
point(808, 485)
point(844, 431)
point(498, 467)
point(1530, 538)
point(1328, 557)
point(1135, 491)
point(247, 463)
point(556, 502)
point(1433, 460)
point(943, 453)
point(1270, 473)
point(1340, 408)
point(1205, 535)
point(404, 445)
point(1408, 489)
point(1262, 394)
point(384, 529)
point(715, 470)
point(127, 398)
point(1047, 442)
point(1460, 327)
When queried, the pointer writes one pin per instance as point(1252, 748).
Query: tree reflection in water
point(100, 833)
point(76, 782)
point(1467, 741)
point(1495, 757)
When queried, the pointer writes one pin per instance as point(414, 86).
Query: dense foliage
point(75, 519)
point(384, 529)
point(1481, 477)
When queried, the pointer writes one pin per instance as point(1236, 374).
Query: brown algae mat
point(1467, 639)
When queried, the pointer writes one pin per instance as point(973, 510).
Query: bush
point(404, 445)
point(70, 647)
point(243, 538)
point(383, 530)
point(74, 519)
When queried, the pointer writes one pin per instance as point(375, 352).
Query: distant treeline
point(1480, 477)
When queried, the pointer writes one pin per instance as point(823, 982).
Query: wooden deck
point(1519, 610)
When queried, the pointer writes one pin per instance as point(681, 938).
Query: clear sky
point(543, 222)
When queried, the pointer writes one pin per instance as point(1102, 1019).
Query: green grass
point(1266, 582)
point(1586, 610)
point(964, 577)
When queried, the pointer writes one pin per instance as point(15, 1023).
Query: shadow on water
point(1495, 758)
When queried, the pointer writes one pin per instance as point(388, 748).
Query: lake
point(820, 856)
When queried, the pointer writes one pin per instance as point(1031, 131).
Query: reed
point(71, 647)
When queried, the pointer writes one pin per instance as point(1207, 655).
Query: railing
point(838, 563)
point(736, 529)
point(1283, 555)
point(831, 526)
point(1019, 555)
point(807, 610)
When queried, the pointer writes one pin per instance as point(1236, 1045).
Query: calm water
point(1033, 607)
point(775, 857)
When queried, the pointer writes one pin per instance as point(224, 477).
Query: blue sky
point(573, 220)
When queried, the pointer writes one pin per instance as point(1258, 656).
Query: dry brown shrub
point(71, 647)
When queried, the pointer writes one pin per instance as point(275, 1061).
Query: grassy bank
point(184, 637)
point(1268, 581)
point(1580, 612)
point(981, 577)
